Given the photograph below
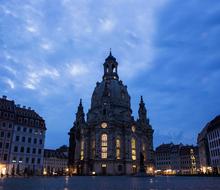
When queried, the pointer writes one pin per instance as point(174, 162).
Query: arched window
point(113, 69)
point(104, 146)
point(118, 151)
point(133, 149)
point(144, 150)
point(82, 150)
point(93, 149)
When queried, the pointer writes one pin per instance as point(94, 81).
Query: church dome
point(112, 91)
point(110, 96)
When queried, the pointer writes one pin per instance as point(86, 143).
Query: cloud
point(10, 83)
point(32, 29)
point(35, 79)
point(46, 46)
point(10, 69)
point(107, 24)
point(76, 68)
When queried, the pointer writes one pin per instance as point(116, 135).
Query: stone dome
point(112, 91)
point(110, 98)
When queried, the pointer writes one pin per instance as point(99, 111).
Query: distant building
point(22, 139)
point(55, 162)
point(176, 159)
point(204, 156)
point(189, 159)
point(213, 134)
point(110, 141)
point(163, 157)
point(64, 149)
point(209, 146)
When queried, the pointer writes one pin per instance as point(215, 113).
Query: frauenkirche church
point(110, 141)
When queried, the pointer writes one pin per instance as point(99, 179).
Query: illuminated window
point(144, 151)
point(133, 128)
point(93, 149)
point(134, 168)
point(118, 146)
point(104, 146)
point(82, 150)
point(133, 149)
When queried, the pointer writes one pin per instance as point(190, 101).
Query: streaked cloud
point(107, 24)
point(10, 83)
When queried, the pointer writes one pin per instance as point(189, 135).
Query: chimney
point(18, 105)
point(29, 108)
point(4, 97)
point(24, 107)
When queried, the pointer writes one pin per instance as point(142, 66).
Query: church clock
point(104, 125)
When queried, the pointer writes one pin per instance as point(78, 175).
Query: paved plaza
point(110, 183)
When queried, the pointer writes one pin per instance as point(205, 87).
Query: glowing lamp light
point(93, 173)
point(3, 169)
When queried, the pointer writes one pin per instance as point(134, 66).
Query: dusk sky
point(52, 54)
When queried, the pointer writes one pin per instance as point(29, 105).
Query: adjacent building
point(110, 141)
point(204, 156)
point(213, 135)
point(22, 133)
point(176, 159)
point(55, 162)
point(209, 146)
point(7, 118)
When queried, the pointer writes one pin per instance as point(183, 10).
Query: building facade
point(110, 141)
point(213, 135)
point(22, 135)
point(176, 159)
point(209, 146)
point(55, 162)
point(163, 158)
point(7, 117)
point(204, 156)
point(189, 160)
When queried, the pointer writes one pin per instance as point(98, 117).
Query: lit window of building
point(133, 149)
point(118, 146)
point(144, 151)
point(104, 146)
point(82, 150)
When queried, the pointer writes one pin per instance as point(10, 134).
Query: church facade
point(110, 141)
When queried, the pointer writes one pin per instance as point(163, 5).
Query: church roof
point(110, 57)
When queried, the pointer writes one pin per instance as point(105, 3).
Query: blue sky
point(51, 55)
